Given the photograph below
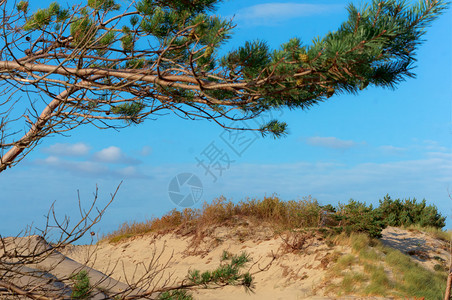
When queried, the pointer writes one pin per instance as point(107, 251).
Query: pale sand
point(292, 275)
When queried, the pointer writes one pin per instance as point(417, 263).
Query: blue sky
point(353, 146)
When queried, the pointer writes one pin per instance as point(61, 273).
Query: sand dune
point(283, 266)
point(288, 274)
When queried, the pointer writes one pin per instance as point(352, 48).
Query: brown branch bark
point(168, 80)
point(449, 278)
point(9, 157)
point(13, 288)
point(448, 286)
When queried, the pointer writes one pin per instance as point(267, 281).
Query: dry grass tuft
point(272, 211)
point(294, 241)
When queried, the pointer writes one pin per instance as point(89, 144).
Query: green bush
point(358, 217)
point(226, 274)
point(82, 287)
point(410, 212)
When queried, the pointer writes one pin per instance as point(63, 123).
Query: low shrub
point(410, 212)
point(358, 217)
point(228, 273)
point(82, 286)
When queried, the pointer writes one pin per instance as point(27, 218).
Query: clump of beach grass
point(373, 269)
point(272, 211)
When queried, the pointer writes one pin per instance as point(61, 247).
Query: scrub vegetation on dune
point(306, 213)
point(370, 268)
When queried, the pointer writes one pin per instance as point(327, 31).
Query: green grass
point(352, 282)
point(119, 237)
point(175, 295)
point(413, 280)
point(369, 254)
point(359, 242)
point(379, 281)
point(407, 279)
point(342, 264)
point(346, 261)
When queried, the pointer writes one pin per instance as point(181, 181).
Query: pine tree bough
point(101, 63)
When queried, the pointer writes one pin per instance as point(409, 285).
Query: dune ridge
point(283, 266)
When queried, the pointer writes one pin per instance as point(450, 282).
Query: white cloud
point(330, 142)
point(52, 160)
point(101, 163)
point(433, 146)
point(441, 155)
point(270, 12)
point(146, 151)
point(114, 155)
point(58, 149)
point(78, 167)
point(110, 154)
point(392, 150)
point(128, 171)
point(90, 168)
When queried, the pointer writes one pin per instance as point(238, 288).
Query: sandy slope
point(289, 274)
point(420, 246)
point(279, 270)
point(55, 266)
